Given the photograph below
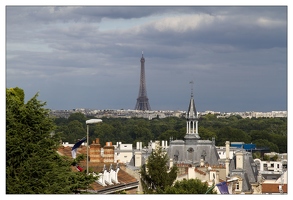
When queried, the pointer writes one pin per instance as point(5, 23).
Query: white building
point(223, 153)
point(123, 152)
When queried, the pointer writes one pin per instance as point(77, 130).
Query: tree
point(167, 134)
point(76, 131)
point(33, 165)
point(263, 143)
point(206, 134)
point(79, 117)
point(155, 175)
point(190, 186)
point(231, 134)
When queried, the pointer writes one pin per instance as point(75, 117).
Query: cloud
point(233, 54)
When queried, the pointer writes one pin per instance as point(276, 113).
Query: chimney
point(259, 178)
point(109, 153)
point(239, 160)
point(137, 157)
point(108, 144)
point(227, 161)
point(95, 151)
point(140, 145)
point(201, 162)
point(227, 150)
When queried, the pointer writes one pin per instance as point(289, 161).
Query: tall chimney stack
point(227, 161)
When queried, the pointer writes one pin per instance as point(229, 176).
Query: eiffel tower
point(142, 100)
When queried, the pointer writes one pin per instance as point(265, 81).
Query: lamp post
point(88, 122)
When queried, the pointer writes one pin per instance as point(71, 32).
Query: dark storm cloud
point(235, 55)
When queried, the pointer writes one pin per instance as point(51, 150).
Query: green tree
point(155, 175)
point(169, 133)
point(256, 155)
point(79, 117)
point(33, 165)
point(190, 186)
point(233, 128)
point(206, 134)
point(76, 131)
point(263, 143)
point(104, 131)
point(280, 141)
point(231, 134)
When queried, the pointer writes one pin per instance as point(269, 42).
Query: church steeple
point(191, 113)
point(192, 116)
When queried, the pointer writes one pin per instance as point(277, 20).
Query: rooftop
point(126, 181)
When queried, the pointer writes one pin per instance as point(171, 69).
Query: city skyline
point(89, 57)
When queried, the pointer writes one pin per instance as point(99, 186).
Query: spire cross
point(191, 82)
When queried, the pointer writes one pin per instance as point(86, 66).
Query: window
point(237, 186)
point(272, 165)
point(265, 165)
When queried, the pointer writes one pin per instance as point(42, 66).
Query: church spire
point(191, 113)
point(191, 116)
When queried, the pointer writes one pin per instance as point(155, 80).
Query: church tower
point(193, 150)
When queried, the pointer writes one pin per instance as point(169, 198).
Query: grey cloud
point(233, 59)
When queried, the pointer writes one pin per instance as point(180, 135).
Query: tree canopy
point(33, 165)
point(190, 186)
point(155, 175)
point(271, 131)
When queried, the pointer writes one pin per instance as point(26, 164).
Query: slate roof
point(191, 113)
point(248, 173)
point(192, 150)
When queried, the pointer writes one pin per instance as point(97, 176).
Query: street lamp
point(88, 122)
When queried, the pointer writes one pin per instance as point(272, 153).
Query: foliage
point(264, 143)
point(233, 129)
point(155, 175)
point(266, 158)
point(79, 117)
point(33, 165)
point(190, 186)
point(257, 155)
point(270, 158)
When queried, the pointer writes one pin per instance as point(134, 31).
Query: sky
point(89, 56)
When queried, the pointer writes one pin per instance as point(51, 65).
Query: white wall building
point(123, 152)
point(222, 152)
